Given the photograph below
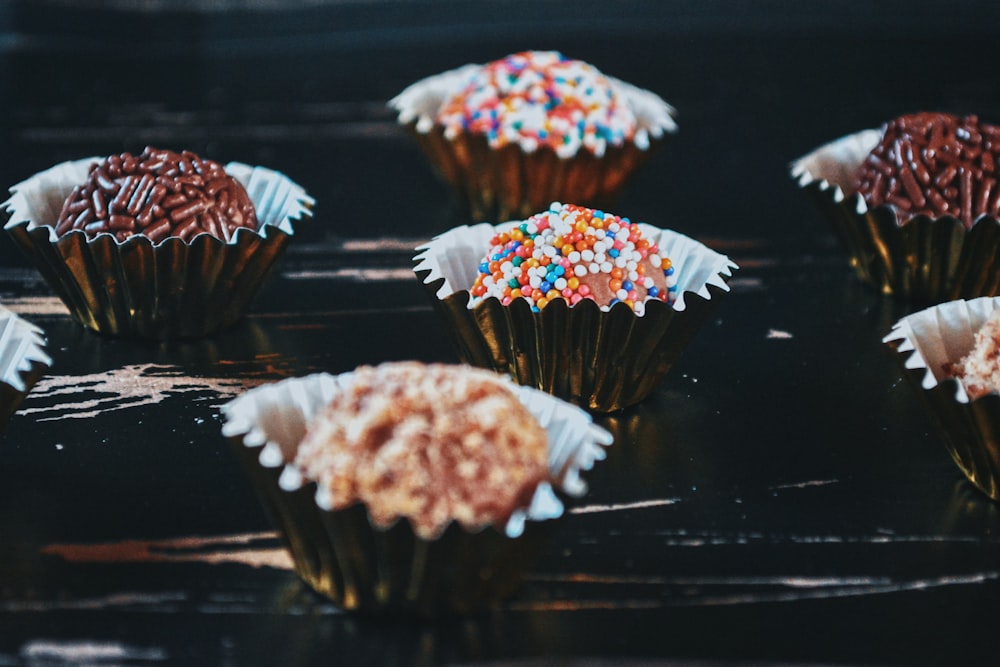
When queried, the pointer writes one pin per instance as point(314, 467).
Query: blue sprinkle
point(545, 286)
point(614, 301)
point(559, 270)
point(484, 267)
point(613, 252)
point(653, 291)
point(609, 235)
point(669, 272)
point(627, 286)
point(598, 214)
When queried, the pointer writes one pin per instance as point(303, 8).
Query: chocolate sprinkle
point(159, 194)
point(934, 164)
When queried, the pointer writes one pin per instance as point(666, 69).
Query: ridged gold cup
point(507, 183)
point(599, 360)
point(171, 289)
point(970, 429)
point(363, 567)
point(926, 260)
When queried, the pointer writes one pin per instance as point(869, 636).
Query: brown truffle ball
point(432, 443)
point(158, 194)
point(934, 164)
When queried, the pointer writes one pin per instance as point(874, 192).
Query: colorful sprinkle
point(548, 274)
point(541, 98)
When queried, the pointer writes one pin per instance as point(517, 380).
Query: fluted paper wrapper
point(924, 261)
point(599, 360)
point(923, 343)
point(171, 289)
point(507, 183)
point(23, 361)
point(343, 555)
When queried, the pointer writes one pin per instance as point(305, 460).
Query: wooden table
point(780, 498)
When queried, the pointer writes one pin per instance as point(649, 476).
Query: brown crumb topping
point(979, 370)
point(432, 443)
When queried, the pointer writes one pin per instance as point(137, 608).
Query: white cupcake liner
point(926, 260)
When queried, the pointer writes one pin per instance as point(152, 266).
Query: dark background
point(812, 516)
point(302, 86)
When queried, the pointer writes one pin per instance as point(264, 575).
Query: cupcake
point(156, 245)
point(581, 303)
point(514, 134)
point(915, 203)
point(23, 361)
point(408, 487)
point(951, 355)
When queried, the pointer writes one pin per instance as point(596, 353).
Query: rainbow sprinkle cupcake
point(586, 305)
point(575, 253)
point(533, 127)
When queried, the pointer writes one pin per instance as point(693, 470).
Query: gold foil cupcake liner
point(23, 361)
point(970, 429)
point(925, 261)
point(507, 183)
point(599, 360)
point(171, 289)
point(342, 555)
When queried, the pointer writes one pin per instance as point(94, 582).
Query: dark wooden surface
point(780, 498)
